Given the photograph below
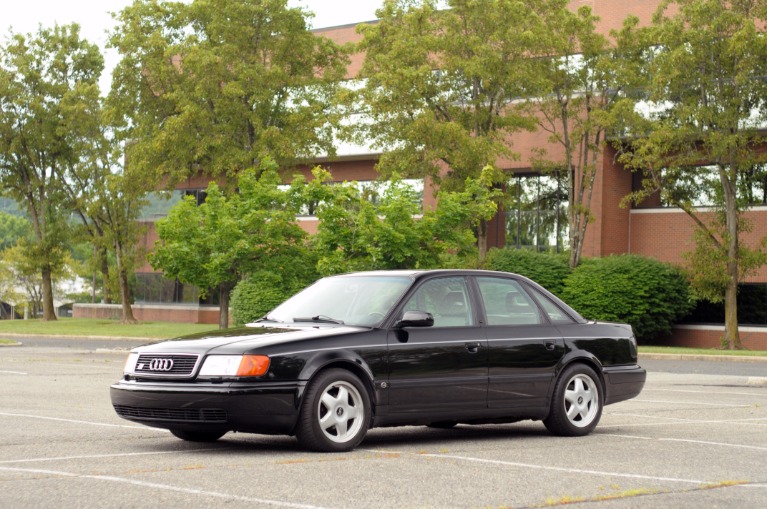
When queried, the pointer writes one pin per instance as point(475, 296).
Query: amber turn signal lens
point(253, 365)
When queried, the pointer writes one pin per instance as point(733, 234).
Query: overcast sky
point(94, 19)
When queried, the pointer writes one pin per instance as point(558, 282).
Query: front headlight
point(234, 365)
point(130, 363)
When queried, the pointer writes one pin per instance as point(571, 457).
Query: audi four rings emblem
point(161, 364)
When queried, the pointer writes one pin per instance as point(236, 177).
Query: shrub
point(547, 269)
point(255, 296)
point(648, 294)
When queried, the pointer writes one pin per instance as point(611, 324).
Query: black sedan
point(373, 349)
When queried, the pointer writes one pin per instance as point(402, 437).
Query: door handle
point(472, 347)
point(550, 345)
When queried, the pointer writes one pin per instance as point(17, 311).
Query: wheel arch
point(341, 359)
point(586, 359)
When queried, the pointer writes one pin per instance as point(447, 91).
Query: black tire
point(197, 436)
point(576, 405)
point(335, 414)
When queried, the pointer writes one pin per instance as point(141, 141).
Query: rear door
point(442, 368)
point(524, 346)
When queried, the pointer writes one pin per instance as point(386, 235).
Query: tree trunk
point(223, 306)
point(731, 334)
point(576, 245)
point(105, 297)
point(482, 241)
point(125, 297)
point(49, 313)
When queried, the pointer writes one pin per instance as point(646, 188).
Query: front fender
point(343, 359)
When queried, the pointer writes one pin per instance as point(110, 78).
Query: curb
point(99, 338)
point(699, 357)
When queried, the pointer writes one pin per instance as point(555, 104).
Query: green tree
point(45, 80)
point(706, 95)
point(361, 229)
point(442, 86)
point(577, 89)
point(215, 86)
point(12, 228)
point(216, 244)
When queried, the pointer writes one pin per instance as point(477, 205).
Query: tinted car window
point(507, 303)
point(353, 300)
point(447, 299)
point(556, 315)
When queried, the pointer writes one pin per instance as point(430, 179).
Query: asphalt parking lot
point(690, 440)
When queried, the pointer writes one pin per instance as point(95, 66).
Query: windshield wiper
point(319, 319)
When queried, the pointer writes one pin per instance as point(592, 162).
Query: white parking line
point(755, 421)
point(633, 437)
point(690, 403)
point(13, 372)
point(544, 467)
point(756, 392)
point(722, 444)
point(700, 442)
point(97, 456)
point(74, 421)
point(166, 487)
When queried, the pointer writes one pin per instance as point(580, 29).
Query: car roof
point(423, 272)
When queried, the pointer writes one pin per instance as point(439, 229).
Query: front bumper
point(269, 408)
point(623, 382)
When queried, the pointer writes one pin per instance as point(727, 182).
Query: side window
point(507, 303)
point(447, 299)
point(556, 315)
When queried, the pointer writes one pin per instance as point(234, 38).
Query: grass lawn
point(160, 330)
point(93, 327)
point(700, 351)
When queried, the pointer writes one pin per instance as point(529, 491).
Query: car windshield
point(351, 300)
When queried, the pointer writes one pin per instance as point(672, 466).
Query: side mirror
point(415, 319)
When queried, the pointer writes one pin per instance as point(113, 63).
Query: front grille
point(213, 415)
point(167, 364)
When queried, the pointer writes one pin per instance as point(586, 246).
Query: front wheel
point(576, 404)
point(335, 414)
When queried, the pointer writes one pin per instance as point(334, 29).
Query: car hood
point(245, 339)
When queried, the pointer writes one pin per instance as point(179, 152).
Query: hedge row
point(648, 294)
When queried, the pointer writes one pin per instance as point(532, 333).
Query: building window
point(159, 203)
point(701, 187)
point(152, 287)
point(752, 308)
point(536, 214)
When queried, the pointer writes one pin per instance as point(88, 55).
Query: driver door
point(443, 368)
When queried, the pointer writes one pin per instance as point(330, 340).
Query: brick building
point(647, 229)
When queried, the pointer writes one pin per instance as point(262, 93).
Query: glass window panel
point(447, 299)
point(536, 216)
point(556, 315)
point(507, 303)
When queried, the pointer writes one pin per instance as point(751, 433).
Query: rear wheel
point(335, 414)
point(576, 404)
point(197, 436)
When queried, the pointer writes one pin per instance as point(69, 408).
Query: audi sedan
point(357, 351)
